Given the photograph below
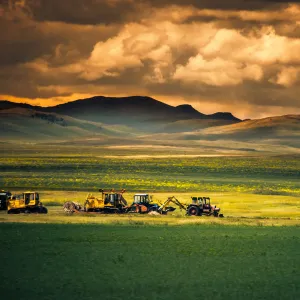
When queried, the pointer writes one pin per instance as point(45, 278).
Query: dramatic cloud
point(242, 56)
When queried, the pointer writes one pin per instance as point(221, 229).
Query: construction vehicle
point(111, 201)
point(4, 196)
point(142, 204)
point(27, 202)
point(201, 206)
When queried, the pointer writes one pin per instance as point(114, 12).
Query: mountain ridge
point(273, 134)
point(132, 109)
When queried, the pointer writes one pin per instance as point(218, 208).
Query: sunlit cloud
point(215, 56)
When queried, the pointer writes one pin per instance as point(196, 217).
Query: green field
point(268, 175)
point(52, 261)
point(251, 253)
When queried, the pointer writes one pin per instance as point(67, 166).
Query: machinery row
point(109, 201)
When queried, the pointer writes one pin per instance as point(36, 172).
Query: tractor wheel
point(193, 211)
point(216, 214)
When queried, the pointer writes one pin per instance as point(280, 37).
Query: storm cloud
point(242, 56)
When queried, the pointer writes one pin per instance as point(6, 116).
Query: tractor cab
point(31, 198)
point(28, 198)
point(201, 201)
point(4, 196)
point(144, 199)
point(113, 198)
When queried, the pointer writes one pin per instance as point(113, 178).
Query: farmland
point(75, 261)
point(269, 175)
point(251, 253)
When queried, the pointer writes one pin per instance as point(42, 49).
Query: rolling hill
point(136, 110)
point(193, 125)
point(273, 134)
point(282, 127)
point(145, 122)
point(27, 124)
point(287, 126)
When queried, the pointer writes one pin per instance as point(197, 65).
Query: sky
point(241, 56)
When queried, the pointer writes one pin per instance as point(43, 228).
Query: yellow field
point(238, 209)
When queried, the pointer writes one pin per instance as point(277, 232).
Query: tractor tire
point(216, 214)
point(193, 211)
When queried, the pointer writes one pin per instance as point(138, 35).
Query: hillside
point(287, 126)
point(273, 134)
point(146, 123)
point(144, 112)
point(193, 125)
point(28, 124)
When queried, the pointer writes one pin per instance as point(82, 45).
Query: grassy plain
point(248, 187)
point(95, 256)
point(75, 261)
point(48, 168)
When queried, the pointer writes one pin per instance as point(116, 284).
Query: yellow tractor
point(110, 201)
point(27, 202)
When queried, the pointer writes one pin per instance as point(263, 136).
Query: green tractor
point(201, 206)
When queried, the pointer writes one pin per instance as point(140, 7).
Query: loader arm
point(171, 200)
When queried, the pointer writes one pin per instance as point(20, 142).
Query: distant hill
point(136, 110)
point(271, 127)
point(27, 124)
point(287, 126)
point(5, 104)
point(193, 125)
point(281, 132)
point(275, 134)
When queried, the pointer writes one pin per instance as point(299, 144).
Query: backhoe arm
point(173, 200)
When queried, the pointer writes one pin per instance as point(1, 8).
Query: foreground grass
point(51, 261)
point(57, 216)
